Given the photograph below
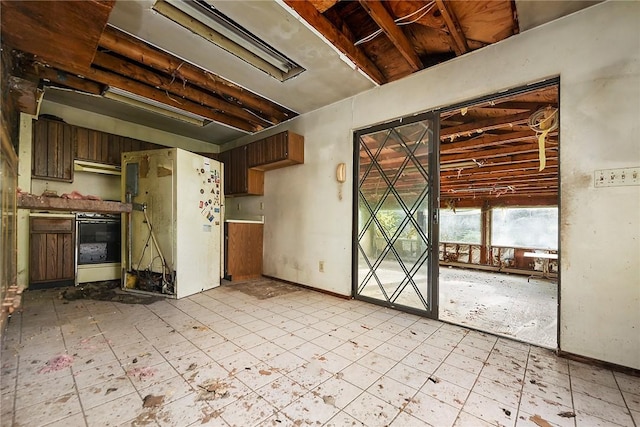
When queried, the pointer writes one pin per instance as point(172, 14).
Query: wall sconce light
point(341, 172)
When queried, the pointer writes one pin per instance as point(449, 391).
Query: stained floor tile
point(225, 358)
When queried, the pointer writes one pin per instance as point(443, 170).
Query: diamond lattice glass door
point(394, 263)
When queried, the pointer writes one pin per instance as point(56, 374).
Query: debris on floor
point(329, 400)
point(107, 291)
point(151, 401)
point(567, 414)
point(208, 416)
point(141, 373)
point(213, 389)
point(539, 421)
point(264, 288)
point(57, 363)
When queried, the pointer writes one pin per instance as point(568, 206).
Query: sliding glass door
point(395, 238)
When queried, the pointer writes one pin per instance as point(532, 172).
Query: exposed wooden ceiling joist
point(67, 80)
point(175, 88)
point(417, 33)
point(309, 13)
point(485, 140)
point(460, 45)
point(504, 200)
point(485, 125)
point(509, 168)
point(138, 51)
point(378, 13)
point(111, 79)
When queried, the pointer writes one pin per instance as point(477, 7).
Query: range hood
point(83, 166)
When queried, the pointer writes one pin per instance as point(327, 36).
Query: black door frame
point(433, 217)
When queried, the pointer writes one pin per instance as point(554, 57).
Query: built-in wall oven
point(98, 247)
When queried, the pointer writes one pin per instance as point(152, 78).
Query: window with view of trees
point(535, 228)
point(461, 226)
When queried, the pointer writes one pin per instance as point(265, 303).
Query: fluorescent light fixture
point(81, 165)
point(205, 20)
point(459, 165)
point(154, 106)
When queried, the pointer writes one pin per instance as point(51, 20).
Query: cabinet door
point(276, 151)
point(238, 179)
point(96, 146)
point(239, 170)
point(53, 150)
point(52, 250)
point(243, 250)
point(225, 158)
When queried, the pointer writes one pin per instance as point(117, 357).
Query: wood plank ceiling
point(488, 154)
point(389, 40)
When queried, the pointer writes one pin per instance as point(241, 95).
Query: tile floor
point(227, 358)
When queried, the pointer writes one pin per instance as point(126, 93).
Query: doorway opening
point(498, 241)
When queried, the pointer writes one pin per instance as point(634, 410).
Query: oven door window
point(98, 242)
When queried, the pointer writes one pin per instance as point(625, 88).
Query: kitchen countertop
point(244, 221)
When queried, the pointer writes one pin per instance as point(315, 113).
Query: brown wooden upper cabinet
point(239, 180)
point(276, 151)
point(57, 144)
point(106, 148)
point(53, 150)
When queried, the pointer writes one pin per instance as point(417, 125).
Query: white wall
point(596, 53)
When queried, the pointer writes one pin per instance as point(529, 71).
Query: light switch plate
point(616, 177)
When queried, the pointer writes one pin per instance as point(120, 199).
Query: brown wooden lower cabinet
point(52, 250)
point(243, 250)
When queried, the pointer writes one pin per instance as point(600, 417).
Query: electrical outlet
point(616, 177)
point(238, 206)
point(321, 266)
point(261, 206)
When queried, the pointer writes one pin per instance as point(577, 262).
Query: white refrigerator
point(172, 239)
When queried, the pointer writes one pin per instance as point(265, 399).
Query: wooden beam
point(485, 154)
point(530, 177)
point(460, 45)
point(486, 140)
point(29, 201)
point(485, 125)
point(132, 48)
point(124, 83)
point(519, 105)
point(129, 85)
point(510, 168)
point(151, 78)
point(68, 80)
point(323, 5)
point(501, 201)
point(309, 13)
point(379, 13)
point(530, 180)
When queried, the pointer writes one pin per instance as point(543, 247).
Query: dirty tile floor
point(226, 357)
